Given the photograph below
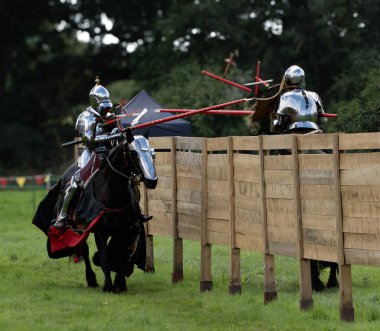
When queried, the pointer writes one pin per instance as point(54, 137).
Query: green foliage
point(46, 73)
point(362, 112)
point(38, 293)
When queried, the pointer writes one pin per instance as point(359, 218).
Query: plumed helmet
point(295, 75)
point(100, 98)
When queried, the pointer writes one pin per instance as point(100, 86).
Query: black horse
point(112, 199)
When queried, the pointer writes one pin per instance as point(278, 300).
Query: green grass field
point(38, 293)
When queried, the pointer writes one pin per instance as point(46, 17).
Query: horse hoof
point(318, 286)
point(118, 290)
point(332, 284)
point(93, 285)
point(107, 289)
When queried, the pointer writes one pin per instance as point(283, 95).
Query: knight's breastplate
point(300, 108)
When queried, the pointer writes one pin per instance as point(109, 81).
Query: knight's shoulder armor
point(85, 122)
point(301, 107)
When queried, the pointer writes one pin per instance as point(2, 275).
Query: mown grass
point(37, 293)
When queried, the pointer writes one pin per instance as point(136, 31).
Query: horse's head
point(142, 156)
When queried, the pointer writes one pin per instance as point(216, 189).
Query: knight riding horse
point(100, 194)
point(294, 110)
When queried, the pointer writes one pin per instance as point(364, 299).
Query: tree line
point(52, 50)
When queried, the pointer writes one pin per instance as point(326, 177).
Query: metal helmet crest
point(100, 98)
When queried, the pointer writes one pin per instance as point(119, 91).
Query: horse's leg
point(90, 274)
point(101, 244)
point(333, 281)
point(120, 284)
point(316, 283)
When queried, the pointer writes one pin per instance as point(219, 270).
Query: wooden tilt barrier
point(240, 192)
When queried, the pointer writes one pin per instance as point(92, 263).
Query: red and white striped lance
point(188, 113)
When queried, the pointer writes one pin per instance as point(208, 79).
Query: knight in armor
point(298, 109)
point(96, 138)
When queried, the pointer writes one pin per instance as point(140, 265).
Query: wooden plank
point(281, 220)
point(218, 173)
point(189, 208)
point(318, 207)
point(278, 162)
point(283, 234)
point(316, 176)
point(278, 177)
point(159, 205)
point(360, 177)
point(219, 199)
point(279, 191)
point(189, 143)
point(268, 274)
point(220, 212)
point(249, 229)
point(319, 237)
point(362, 257)
point(318, 252)
point(247, 161)
point(369, 225)
point(252, 216)
point(160, 142)
point(185, 170)
point(188, 183)
point(246, 175)
point(276, 142)
point(246, 242)
point(189, 233)
point(282, 248)
point(217, 144)
point(163, 182)
point(359, 160)
point(362, 241)
point(217, 186)
point(247, 189)
point(359, 141)
point(163, 158)
point(247, 202)
point(360, 193)
point(361, 208)
point(281, 206)
point(217, 160)
point(191, 221)
point(164, 194)
point(189, 158)
point(218, 225)
point(319, 222)
point(316, 161)
point(315, 142)
point(245, 143)
point(217, 238)
point(164, 170)
point(189, 196)
point(320, 192)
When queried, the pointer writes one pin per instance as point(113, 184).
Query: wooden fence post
point(270, 292)
point(345, 278)
point(235, 283)
point(206, 278)
point(177, 274)
point(306, 299)
point(149, 264)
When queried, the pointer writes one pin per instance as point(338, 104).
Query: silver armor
point(89, 127)
point(302, 108)
point(145, 156)
point(298, 109)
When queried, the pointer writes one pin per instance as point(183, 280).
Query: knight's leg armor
point(75, 182)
